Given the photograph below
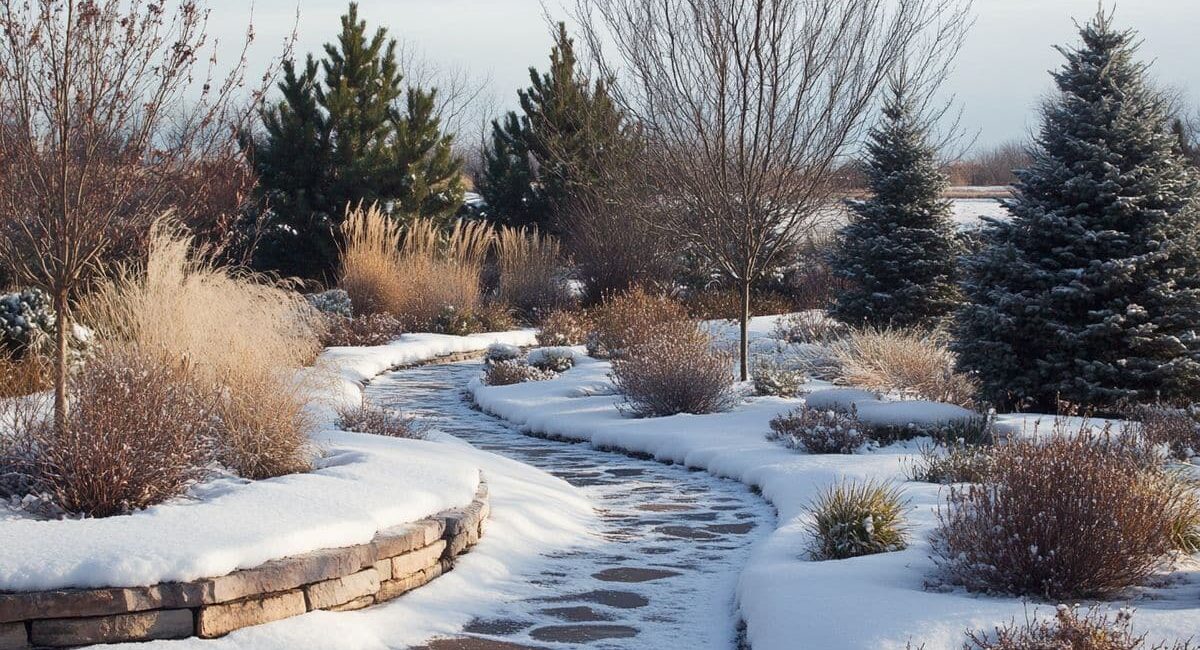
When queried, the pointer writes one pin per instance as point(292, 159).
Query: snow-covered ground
point(361, 484)
point(789, 601)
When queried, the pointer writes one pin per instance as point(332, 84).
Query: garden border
point(398, 560)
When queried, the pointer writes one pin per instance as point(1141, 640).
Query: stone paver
point(673, 540)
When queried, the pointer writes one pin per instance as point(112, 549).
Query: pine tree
point(899, 250)
point(507, 185)
point(343, 140)
point(569, 132)
point(1091, 293)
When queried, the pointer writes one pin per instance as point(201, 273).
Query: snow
point(362, 484)
point(969, 212)
point(787, 600)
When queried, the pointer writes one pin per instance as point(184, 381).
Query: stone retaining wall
point(398, 560)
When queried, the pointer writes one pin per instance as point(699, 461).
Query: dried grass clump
point(819, 431)
point(233, 330)
point(1071, 516)
point(24, 375)
point(675, 370)
point(911, 362)
point(1176, 429)
point(851, 519)
point(380, 422)
point(140, 430)
point(1069, 630)
point(564, 327)
point(531, 273)
point(513, 371)
point(415, 272)
point(629, 318)
point(554, 359)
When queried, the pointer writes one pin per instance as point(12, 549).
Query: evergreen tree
point(507, 185)
point(1091, 293)
point(569, 133)
point(899, 250)
point(343, 140)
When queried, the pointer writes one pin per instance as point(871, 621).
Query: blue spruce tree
point(1091, 293)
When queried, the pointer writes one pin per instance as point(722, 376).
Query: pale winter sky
point(998, 78)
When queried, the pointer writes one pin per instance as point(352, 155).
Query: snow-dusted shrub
point(552, 359)
point(238, 331)
point(494, 316)
point(564, 327)
point(379, 421)
point(675, 370)
point(774, 378)
point(819, 431)
point(973, 431)
point(628, 319)
point(371, 329)
point(1068, 516)
point(950, 463)
point(498, 352)
point(1176, 429)
point(513, 371)
point(26, 317)
point(912, 362)
point(1069, 630)
point(851, 519)
point(334, 301)
point(139, 431)
point(811, 326)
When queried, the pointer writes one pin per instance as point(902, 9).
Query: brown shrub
point(613, 245)
point(140, 430)
point(372, 329)
point(1069, 516)
point(726, 304)
point(675, 370)
point(380, 422)
point(818, 431)
point(531, 273)
point(628, 319)
point(30, 373)
point(563, 327)
point(951, 463)
point(495, 316)
point(912, 362)
point(1069, 630)
point(1177, 429)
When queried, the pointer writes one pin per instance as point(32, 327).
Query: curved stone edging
point(399, 559)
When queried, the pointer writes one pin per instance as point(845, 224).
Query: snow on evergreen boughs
point(900, 250)
point(25, 316)
point(1092, 292)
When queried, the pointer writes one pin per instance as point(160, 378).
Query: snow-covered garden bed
point(787, 600)
point(361, 484)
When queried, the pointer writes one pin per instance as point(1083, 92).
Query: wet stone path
point(672, 540)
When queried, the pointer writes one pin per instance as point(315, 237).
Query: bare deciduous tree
point(748, 106)
point(112, 112)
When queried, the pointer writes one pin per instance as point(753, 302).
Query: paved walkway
point(673, 539)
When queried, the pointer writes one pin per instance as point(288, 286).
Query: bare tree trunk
point(62, 323)
point(744, 348)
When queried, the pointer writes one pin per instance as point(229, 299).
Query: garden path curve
point(672, 541)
